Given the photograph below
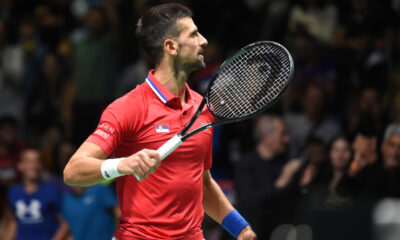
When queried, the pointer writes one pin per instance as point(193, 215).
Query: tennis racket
point(245, 85)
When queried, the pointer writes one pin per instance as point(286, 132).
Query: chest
point(33, 208)
point(158, 126)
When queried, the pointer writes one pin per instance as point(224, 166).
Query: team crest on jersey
point(162, 127)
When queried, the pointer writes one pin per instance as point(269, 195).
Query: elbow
point(67, 176)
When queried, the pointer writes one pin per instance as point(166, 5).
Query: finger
point(150, 163)
point(144, 161)
point(154, 155)
point(138, 171)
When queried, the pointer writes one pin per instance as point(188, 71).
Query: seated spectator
point(312, 123)
point(34, 204)
point(339, 158)
point(91, 212)
point(10, 146)
point(366, 106)
point(369, 176)
point(260, 194)
point(317, 17)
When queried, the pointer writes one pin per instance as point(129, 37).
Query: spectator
point(256, 177)
point(311, 67)
point(35, 205)
point(370, 177)
point(11, 95)
point(313, 123)
point(94, 65)
point(366, 107)
point(45, 104)
point(91, 212)
point(339, 157)
point(10, 147)
point(319, 18)
point(134, 75)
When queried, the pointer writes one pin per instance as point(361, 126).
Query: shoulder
point(129, 108)
point(49, 187)
point(14, 190)
point(249, 158)
point(130, 100)
point(195, 95)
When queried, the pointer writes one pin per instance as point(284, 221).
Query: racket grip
point(165, 150)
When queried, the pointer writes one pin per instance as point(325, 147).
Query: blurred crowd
point(322, 163)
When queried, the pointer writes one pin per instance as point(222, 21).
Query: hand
point(291, 167)
point(364, 153)
point(140, 163)
point(247, 234)
point(288, 170)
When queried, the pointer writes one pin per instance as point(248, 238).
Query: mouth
point(201, 51)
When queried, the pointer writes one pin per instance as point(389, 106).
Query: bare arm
point(63, 230)
point(10, 228)
point(84, 167)
point(217, 205)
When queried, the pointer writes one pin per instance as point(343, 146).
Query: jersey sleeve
point(115, 123)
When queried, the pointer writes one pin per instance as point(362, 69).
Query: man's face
point(191, 45)
point(30, 165)
point(279, 138)
point(391, 151)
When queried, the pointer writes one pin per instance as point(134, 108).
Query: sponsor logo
point(29, 213)
point(101, 133)
point(107, 128)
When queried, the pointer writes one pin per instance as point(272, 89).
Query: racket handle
point(165, 150)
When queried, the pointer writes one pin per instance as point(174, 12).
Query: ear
point(171, 47)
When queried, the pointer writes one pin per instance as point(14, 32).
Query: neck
point(30, 186)
point(264, 152)
point(172, 77)
point(313, 117)
point(338, 173)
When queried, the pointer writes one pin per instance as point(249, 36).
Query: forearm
point(62, 232)
point(215, 203)
point(88, 166)
point(10, 230)
point(218, 207)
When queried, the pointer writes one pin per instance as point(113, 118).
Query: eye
point(194, 34)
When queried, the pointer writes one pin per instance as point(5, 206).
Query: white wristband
point(109, 168)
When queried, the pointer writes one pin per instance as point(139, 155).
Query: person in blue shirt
point(34, 205)
point(91, 212)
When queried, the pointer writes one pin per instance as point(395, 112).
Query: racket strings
point(252, 80)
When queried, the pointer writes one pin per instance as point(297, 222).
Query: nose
point(203, 41)
point(287, 138)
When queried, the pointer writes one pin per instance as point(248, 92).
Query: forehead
point(394, 139)
point(186, 25)
point(30, 154)
point(280, 125)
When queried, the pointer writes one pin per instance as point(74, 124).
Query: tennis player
point(170, 201)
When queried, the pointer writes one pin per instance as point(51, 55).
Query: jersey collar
point(162, 92)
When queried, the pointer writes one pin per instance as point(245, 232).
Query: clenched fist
point(142, 163)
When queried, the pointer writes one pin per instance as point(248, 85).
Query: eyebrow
point(194, 31)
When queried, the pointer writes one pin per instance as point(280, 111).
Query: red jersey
point(168, 203)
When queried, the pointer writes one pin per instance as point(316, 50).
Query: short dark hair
point(157, 24)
